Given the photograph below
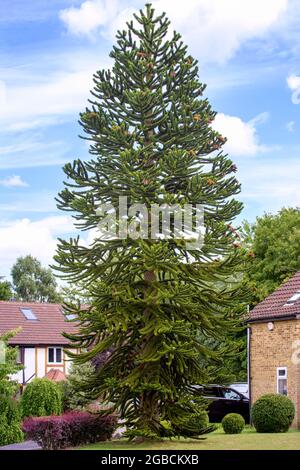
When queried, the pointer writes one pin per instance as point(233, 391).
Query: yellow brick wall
point(272, 349)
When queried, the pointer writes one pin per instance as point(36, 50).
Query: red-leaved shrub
point(69, 429)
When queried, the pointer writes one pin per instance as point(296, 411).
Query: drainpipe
point(249, 366)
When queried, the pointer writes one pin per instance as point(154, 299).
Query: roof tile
point(47, 329)
point(274, 305)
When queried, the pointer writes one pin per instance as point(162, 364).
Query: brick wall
point(272, 349)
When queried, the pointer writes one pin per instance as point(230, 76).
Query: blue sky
point(248, 55)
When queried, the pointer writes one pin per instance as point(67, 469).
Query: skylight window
point(28, 314)
point(70, 316)
point(293, 299)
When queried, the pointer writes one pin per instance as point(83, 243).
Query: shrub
point(64, 387)
point(10, 421)
point(233, 423)
point(41, 398)
point(74, 397)
point(273, 413)
point(69, 430)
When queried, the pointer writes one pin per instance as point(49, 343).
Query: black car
point(223, 400)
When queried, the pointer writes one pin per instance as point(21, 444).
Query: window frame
point(55, 362)
point(282, 377)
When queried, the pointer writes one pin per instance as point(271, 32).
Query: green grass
point(218, 440)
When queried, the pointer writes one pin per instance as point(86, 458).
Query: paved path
point(26, 445)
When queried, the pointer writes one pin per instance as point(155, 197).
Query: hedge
point(69, 430)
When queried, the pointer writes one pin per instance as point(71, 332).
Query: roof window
point(293, 299)
point(28, 314)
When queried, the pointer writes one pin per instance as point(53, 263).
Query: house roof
point(55, 375)
point(46, 329)
point(276, 306)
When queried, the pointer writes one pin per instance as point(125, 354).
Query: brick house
point(274, 345)
point(40, 342)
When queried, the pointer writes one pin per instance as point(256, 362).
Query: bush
point(273, 413)
point(74, 397)
point(233, 423)
point(69, 430)
point(10, 421)
point(64, 387)
point(41, 398)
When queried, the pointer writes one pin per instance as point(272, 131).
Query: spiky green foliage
point(151, 141)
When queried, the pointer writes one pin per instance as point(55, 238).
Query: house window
point(55, 356)
point(282, 380)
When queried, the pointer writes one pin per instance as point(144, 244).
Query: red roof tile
point(56, 375)
point(47, 329)
point(274, 305)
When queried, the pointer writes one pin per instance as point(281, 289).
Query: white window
point(282, 380)
point(55, 355)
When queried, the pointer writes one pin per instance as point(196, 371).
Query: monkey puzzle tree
point(151, 141)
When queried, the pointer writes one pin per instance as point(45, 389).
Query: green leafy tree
point(10, 421)
point(8, 365)
point(5, 290)
point(273, 251)
point(152, 141)
point(32, 282)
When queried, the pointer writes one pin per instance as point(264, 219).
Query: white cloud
point(32, 152)
point(293, 82)
point(38, 238)
point(60, 94)
point(89, 16)
point(14, 181)
point(19, 126)
point(290, 126)
point(31, 100)
point(242, 137)
point(214, 29)
point(269, 185)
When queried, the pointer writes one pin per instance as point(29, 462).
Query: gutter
point(294, 316)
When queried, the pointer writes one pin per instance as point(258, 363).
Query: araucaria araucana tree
point(151, 141)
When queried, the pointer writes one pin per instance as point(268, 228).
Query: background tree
point(8, 365)
point(273, 251)
point(73, 396)
point(5, 290)
point(32, 282)
point(152, 142)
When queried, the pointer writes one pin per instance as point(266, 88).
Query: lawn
point(218, 440)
